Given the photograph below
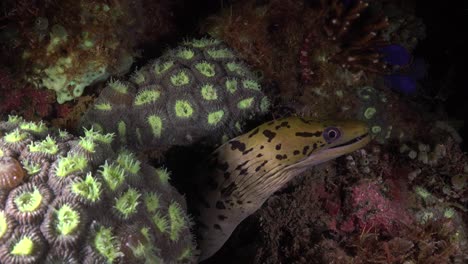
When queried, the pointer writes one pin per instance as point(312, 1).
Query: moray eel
point(251, 167)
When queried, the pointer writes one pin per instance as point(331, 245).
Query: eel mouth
point(353, 141)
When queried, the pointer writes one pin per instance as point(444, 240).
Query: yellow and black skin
point(251, 167)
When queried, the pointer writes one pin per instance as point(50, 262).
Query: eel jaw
point(334, 151)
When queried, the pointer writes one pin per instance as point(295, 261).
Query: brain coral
point(196, 90)
point(73, 200)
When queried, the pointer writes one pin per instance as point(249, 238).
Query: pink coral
point(370, 210)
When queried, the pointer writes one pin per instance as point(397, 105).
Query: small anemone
point(26, 245)
point(103, 246)
point(36, 129)
point(87, 190)
point(11, 173)
point(113, 176)
point(37, 171)
point(64, 223)
point(29, 202)
point(46, 149)
point(177, 220)
point(15, 140)
point(137, 246)
point(90, 149)
point(127, 204)
point(65, 169)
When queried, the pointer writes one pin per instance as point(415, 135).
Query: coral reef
point(68, 45)
point(74, 200)
point(198, 90)
point(376, 205)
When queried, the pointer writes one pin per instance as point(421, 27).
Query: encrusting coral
point(197, 90)
point(74, 200)
point(68, 45)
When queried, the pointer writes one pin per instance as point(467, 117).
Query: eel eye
point(331, 134)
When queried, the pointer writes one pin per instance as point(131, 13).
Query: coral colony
point(198, 89)
point(311, 110)
point(54, 188)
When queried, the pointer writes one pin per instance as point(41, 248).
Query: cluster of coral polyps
point(68, 45)
point(198, 90)
point(74, 200)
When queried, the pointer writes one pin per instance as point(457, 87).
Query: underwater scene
point(223, 131)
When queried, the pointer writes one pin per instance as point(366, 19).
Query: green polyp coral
point(183, 109)
point(31, 167)
point(122, 130)
point(70, 208)
point(156, 125)
point(24, 247)
point(264, 104)
point(251, 84)
point(129, 162)
point(209, 92)
point(103, 106)
point(163, 174)
point(370, 112)
point(215, 117)
point(177, 221)
point(113, 175)
point(231, 85)
point(67, 220)
point(185, 54)
point(14, 119)
point(107, 244)
point(98, 136)
point(160, 222)
point(151, 201)
point(162, 67)
point(235, 67)
point(180, 78)
point(206, 68)
point(88, 144)
point(245, 103)
point(29, 201)
point(15, 136)
point(70, 164)
point(48, 145)
point(186, 254)
point(34, 127)
point(146, 97)
point(127, 204)
point(118, 86)
point(88, 188)
point(220, 53)
point(138, 77)
point(181, 98)
point(4, 226)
